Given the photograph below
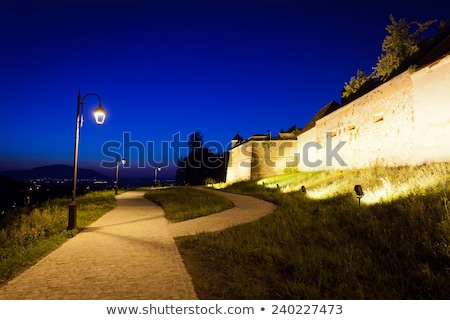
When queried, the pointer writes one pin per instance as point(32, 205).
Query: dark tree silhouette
point(200, 164)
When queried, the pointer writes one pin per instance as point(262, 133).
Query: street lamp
point(156, 175)
point(99, 115)
point(116, 186)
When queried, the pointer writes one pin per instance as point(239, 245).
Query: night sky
point(164, 69)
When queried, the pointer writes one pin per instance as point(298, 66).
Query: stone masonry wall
point(431, 92)
point(239, 163)
point(377, 128)
point(256, 159)
point(405, 121)
point(402, 122)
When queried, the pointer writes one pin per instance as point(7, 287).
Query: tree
point(195, 140)
point(200, 164)
point(355, 84)
point(399, 45)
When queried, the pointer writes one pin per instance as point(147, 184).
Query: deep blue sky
point(166, 68)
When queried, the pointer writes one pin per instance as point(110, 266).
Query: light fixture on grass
point(359, 193)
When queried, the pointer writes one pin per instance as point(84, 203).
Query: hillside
point(321, 244)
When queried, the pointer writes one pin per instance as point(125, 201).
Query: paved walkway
point(246, 209)
point(127, 254)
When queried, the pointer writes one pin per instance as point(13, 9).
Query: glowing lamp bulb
point(99, 115)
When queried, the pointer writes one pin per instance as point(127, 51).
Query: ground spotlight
point(303, 189)
point(359, 193)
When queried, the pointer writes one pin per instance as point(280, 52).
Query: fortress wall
point(308, 156)
point(405, 121)
point(239, 163)
point(431, 91)
point(272, 157)
point(257, 159)
point(377, 128)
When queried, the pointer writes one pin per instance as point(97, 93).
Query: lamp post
point(99, 114)
point(156, 175)
point(116, 186)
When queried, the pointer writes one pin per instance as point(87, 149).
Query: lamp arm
point(92, 94)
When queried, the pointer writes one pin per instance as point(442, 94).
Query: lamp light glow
point(99, 115)
point(156, 175)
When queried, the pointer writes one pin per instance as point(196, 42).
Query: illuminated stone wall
point(239, 163)
point(260, 157)
point(431, 91)
point(374, 129)
point(405, 121)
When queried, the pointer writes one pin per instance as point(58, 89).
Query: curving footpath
point(246, 209)
point(129, 253)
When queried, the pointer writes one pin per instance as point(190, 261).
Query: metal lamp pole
point(116, 187)
point(99, 114)
point(156, 175)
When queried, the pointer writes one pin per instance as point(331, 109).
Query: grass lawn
point(322, 245)
point(184, 203)
point(27, 235)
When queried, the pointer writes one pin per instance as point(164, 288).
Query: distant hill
point(53, 172)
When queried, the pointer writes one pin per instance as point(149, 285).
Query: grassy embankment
point(322, 245)
point(27, 235)
point(316, 245)
point(184, 203)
